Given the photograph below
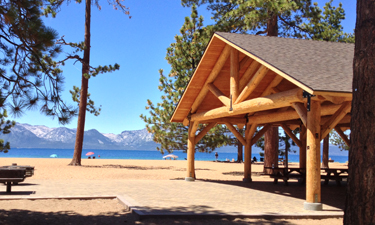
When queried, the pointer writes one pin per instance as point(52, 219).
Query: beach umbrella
point(170, 156)
point(53, 156)
point(89, 153)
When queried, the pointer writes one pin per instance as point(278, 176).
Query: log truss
point(241, 91)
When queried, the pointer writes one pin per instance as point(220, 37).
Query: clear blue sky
point(139, 45)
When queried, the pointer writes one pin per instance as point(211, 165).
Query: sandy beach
point(109, 211)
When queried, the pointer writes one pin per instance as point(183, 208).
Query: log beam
point(260, 134)
point(252, 84)
point(342, 135)
point(289, 132)
point(236, 133)
point(224, 99)
point(274, 101)
point(301, 110)
point(204, 132)
point(336, 118)
point(248, 73)
point(276, 81)
point(193, 128)
point(234, 73)
point(211, 78)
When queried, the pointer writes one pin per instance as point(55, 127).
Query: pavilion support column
point(302, 149)
point(190, 154)
point(313, 184)
point(325, 152)
point(250, 130)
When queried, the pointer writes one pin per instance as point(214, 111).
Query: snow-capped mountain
point(29, 136)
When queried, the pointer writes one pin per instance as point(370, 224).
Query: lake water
point(133, 154)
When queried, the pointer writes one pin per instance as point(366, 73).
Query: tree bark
point(360, 200)
point(239, 152)
point(76, 161)
point(271, 149)
point(271, 137)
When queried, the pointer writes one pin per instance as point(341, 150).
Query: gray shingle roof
point(319, 65)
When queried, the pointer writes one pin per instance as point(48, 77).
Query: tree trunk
point(271, 137)
point(360, 200)
point(271, 149)
point(76, 161)
point(239, 152)
point(325, 152)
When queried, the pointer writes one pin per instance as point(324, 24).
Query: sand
point(108, 211)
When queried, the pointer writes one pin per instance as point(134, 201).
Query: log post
point(271, 149)
point(325, 152)
point(190, 154)
point(313, 184)
point(302, 149)
point(250, 130)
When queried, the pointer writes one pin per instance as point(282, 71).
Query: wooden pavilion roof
point(267, 65)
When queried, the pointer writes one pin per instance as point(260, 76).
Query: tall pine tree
point(183, 55)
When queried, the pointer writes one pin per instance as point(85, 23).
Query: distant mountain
point(29, 136)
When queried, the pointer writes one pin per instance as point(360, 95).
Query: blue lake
point(133, 154)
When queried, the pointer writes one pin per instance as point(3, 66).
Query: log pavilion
point(260, 81)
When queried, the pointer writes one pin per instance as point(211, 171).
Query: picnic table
point(12, 175)
point(286, 173)
point(336, 174)
point(29, 169)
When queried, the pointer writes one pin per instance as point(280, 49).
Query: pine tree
point(183, 55)
point(82, 94)
point(29, 77)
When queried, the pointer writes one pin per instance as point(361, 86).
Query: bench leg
point(9, 187)
point(275, 181)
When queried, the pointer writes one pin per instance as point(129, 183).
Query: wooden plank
point(342, 135)
point(236, 133)
point(336, 118)
point(234, 74)
point(252, 84)
point(204, 132)
point(224, 99)
point(274, 101)
point(291, 135)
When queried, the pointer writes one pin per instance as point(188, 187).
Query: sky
point(139, 45)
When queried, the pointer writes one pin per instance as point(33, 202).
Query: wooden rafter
point(244, 61)
point(248, 73)
point(276, 81)
point(302, 112)
point(224, 99)
point(289, 132)
point(252, 84)
point(335, 99)
point(232, 120)
point(274, 101)
point(335, 119)
point(234, 74)
point(204, 132)
point(236, 133)
point(342, 135)
point(211, 78)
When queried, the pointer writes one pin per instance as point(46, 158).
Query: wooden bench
point(336, 174)
point(12, 175)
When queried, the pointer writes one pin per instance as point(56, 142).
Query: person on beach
point(216, 155)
